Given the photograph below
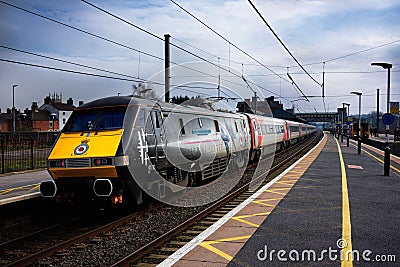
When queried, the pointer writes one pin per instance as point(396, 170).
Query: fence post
point(32, 160)
point(2, 155)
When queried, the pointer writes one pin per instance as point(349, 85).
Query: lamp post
point(377, 112)
point(13, 107)
point(342, 130)
point(347, 116)
point(359, 120)
point(386, 165)
point(53, 116)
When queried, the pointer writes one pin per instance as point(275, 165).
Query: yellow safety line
point(35, 187)
point(207, 245)
point(5, 191)
point(378, 159)
point(292, 174)
point(241, 217)
point(347, 256)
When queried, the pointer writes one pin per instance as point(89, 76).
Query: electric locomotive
point(106, 141)
point(122, 149)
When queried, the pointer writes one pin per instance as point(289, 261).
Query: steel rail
point(31, 259)
point(138, 254)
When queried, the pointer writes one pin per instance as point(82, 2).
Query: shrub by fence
point(25, 150)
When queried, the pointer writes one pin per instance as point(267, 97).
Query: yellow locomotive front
point(86, 161)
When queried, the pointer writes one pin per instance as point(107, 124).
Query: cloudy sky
point(346, 35)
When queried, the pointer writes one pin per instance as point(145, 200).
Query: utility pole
point(359, 120)
point(255, 102)
point(167, 70)
point(13, 107)
point(377, 112)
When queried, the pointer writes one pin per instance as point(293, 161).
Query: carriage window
point(216, 126)
point(156, 119)
point(149, 127)
point(182, 126)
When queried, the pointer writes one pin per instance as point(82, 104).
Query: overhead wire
point(181, 48)
point(152, 34)
point(96, 36)
point(70, 71)
point(361, 51)
point(123, 20)
point(82, 31)
point(226, 40)
point(279, 39)
point(68, 62)
point(128, 47)
point(195, 47)
point(133, 79)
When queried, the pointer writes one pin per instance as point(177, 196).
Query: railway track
point(158, 250)
point(155, 232)
point(78, 233)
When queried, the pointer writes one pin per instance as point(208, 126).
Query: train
point(115, 149)
point(364, 130)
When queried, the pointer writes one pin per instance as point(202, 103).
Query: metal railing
point(25, 150)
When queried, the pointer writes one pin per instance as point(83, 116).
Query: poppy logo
point(82, 148)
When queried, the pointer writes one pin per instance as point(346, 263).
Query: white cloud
point(314, 31)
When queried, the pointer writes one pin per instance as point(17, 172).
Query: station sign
point(394, 107)
point(387, 118)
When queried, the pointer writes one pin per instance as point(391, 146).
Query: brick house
point(60, 111)
point(5, 119)
point(51, 116)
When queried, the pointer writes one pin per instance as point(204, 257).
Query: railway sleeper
point(177, 243)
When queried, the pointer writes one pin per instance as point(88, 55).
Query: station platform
point(382, 138)
point(333, 207)
point(19, 186)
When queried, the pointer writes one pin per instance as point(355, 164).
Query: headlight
point(57, 163)
point(102, 161)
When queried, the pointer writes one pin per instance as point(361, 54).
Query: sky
point(313, 31)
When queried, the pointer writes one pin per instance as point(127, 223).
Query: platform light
point(359, 120)
point(386, 164)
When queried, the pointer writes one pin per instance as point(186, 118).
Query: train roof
point(125, 101)
point(107, 102)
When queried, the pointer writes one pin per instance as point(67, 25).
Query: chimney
point(80, 102)
point(35, 107)
point(70, 101)
point(47, 100)
point(8, 111)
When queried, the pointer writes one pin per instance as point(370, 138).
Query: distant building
point(36, 120)
point(268, 107)
point(5, 119)
point(61, 111)
point(51, 116)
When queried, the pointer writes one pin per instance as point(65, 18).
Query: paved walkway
point(17, 184)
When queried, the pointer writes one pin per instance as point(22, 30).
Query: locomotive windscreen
point(95, 120)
